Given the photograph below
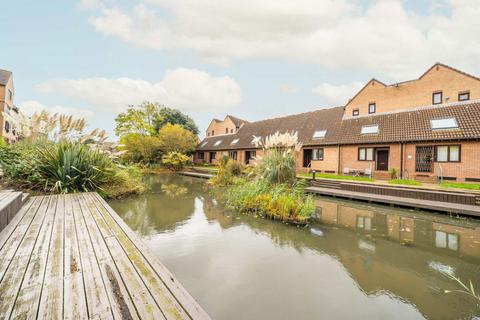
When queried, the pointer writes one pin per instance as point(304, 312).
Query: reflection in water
point(359, 261)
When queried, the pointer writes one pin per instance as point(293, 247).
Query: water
point(360, 262)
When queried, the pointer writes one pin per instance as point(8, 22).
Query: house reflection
point(424, 230)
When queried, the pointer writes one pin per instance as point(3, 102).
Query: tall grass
point(278, 166)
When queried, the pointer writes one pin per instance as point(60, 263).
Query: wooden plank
point(98, 305)
point(51, 299)
point(7, 232)
point(146, 263)
point(12, 279)
point(75, 301)
point(132, 284)
point(120, 301)
point(28, 299)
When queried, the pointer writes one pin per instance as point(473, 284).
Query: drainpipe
point(338, 160)
point(401, 160)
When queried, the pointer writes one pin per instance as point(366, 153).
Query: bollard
point(313, 174)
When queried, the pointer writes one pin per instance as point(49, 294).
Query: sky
point(253, 59)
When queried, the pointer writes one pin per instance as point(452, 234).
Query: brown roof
point(4, 77)
point(305, 124)
point(236, 121)
point(406, 126)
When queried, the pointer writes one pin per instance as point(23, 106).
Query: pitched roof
point(415, 125)
point(304, 123)
point(407, 126)
point(236, 121)
point(4, 77)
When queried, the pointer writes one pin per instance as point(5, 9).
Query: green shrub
point(175, 160)
point(278, 166)
point(234, 167)
point(73, 167)
point(276, 201)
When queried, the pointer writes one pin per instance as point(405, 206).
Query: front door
point(382, 160)
point(307, 158)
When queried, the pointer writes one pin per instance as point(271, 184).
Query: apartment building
point(425, 129)
point(8, 111)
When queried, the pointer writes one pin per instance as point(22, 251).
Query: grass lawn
point(405, 182)
point(335, 176)
point(460, 185)
point(206, 168)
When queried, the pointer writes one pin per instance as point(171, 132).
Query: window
point(317, 154)
point(10, 95)
point(372, 108)
point(234, 141)
point(233, 155)
point(231, 130)
point(446, 240)
point(464, 96)
point(437, 97)
point(364, 223)
point(319, 134)
point(226, 130)
point(200, 155)
point(447, 153)
point(366, 154)
point(355, 112)
point(370, 129)
point(203, 144)
point(217, 143)
point(7, 126)
point(213, 155)
point(213, 132)
point(448, 123)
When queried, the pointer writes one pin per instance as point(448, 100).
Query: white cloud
point(185, 89)
point(31, 106)
point(289, 89)
point(384, 37)
point(337, 94)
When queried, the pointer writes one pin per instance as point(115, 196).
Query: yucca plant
point(73, 167)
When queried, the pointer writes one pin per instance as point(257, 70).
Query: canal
point(360, 261)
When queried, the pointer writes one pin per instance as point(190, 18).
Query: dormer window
point(437, 97)
point(447, 123)
point(370, 129)
point(319, 134)
point(217, 143)
point(231, 130)
point(464, 96)
point(234, 141)
point(203, 144)
point(372, 108)
point(355, 112)
point(226, 130)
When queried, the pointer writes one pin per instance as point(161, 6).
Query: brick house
point(8, 111)
point(424, 128)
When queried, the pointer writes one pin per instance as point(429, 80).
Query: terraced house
point(8, 111)
point(424, 128)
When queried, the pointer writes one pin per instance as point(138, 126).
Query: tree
point(141, 119)
point(174, 116)
point(140, 148)
point(172, 137)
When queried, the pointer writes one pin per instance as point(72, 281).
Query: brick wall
point(414, 93)
point(469, 167)
point(329, 162)
point(349, 157)
point(219, 128)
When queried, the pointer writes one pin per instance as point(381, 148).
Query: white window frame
point(319, 134)
point(370, 129)
point(316, 154)
point(444, 123)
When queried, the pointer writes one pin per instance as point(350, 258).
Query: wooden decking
point(10, 203)
point(472, 210)
point(72, 256)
